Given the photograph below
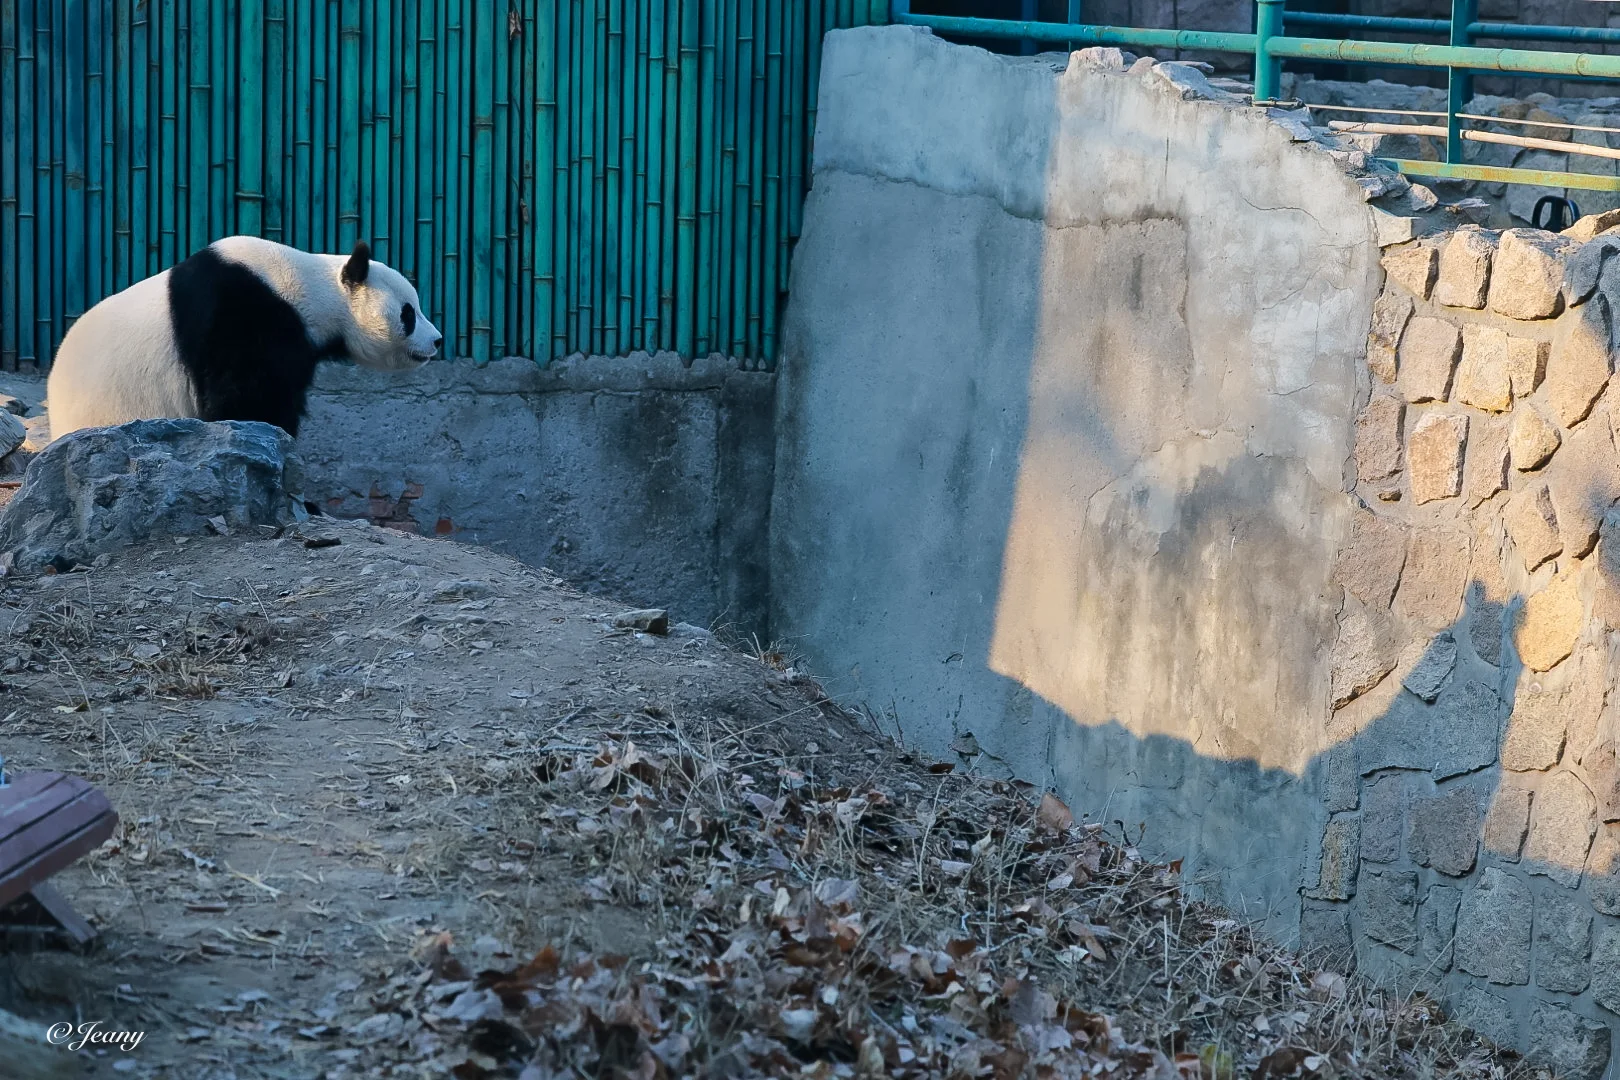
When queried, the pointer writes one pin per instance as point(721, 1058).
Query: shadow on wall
point(1069, 459)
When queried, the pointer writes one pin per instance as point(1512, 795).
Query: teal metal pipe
point(1459, 83)
point(1268, 24)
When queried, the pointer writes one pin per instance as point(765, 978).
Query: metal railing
point(1270, 46)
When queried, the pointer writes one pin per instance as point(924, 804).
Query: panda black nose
point(437, 342)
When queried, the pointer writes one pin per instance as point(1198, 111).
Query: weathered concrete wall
point(637, 477)
point(1117, 430)
point(1064, 430)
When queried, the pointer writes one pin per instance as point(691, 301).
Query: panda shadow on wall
point(234, 332)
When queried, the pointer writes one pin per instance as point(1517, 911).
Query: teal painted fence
point(556, 176)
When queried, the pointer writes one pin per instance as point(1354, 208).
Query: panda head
point(387, 330)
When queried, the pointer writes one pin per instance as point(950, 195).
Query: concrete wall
point(1064, 431)
point(1280, 530)
point(639, 477)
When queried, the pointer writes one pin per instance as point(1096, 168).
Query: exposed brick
point(1413, 266)
point(1465, 269)
point(1428, 358)
point(1434, 456)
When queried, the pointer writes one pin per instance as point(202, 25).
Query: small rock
point(1434, 454)
point(1573, 1046)
point(1589, 226)
point(1507, 822)
point(12, 432)
point(1585, 269)
point(1535, 732)
point(1533, 524)
point(1445, 831)
point(1465, 269)
point(1336, 878)
point(1428, 358)
point(1484, 380)
point(1578, 366)
point(1378, 437)
point(1549, 623)
point(1493, 929)
point(1532, 439)
point(1413, 267)
point(450, 591)
point(1562, 823)
point(1527, 275)
point(1432, 668)
point(12, 405)
point(1485, 467)
point(1527, 364)
point(1387, 900)
point(647, 620)
point(1563, 943)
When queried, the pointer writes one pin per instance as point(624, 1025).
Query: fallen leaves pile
point(870, 915)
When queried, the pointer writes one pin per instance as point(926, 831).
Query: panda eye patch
point(407, 318)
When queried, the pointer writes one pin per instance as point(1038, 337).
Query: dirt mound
point(398, 807)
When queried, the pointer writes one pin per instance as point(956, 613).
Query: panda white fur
point(234, 333)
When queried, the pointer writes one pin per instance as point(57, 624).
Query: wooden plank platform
point(48, 821)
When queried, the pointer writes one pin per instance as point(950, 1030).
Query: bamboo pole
point(220, 152)
point(521, 220)
point(652, 253)
point(128, 141)
point(195, 200)
point(724, 267)
point(279, 147)
point(252, 105)
point(543, 43)
point(10, 267)
point(168, 183)
point(562, 277)
point(798, 102)
point(667, 242)
point(635, 59)
point(27, 204)
point(756, 184)
point(72, 105)
point(94, 258)
point(433, 141)
point(479, 250)
point(1472, 135)
point(47, 98)
point(770, 236)
point(501, 186)
point(456, 332)
point(612, 170)
point(369, 225)
point(592, 180)
point(349, 85)
point(703, 271)
point(743, 94)
point(686, 221)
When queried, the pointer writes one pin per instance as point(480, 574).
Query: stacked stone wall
point(1472, 844)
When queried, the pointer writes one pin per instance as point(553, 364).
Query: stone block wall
point(1472, 843)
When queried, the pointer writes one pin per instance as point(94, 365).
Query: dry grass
point(396, 808)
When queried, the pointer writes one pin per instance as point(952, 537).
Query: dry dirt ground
point(395, 807)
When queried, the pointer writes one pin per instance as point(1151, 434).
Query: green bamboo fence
point(556, 176)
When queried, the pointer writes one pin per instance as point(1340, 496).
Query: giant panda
point(234, 332)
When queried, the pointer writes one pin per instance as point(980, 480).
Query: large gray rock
point(103, 488)
point(12, 432)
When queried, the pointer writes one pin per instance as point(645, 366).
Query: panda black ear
point(358, 267)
